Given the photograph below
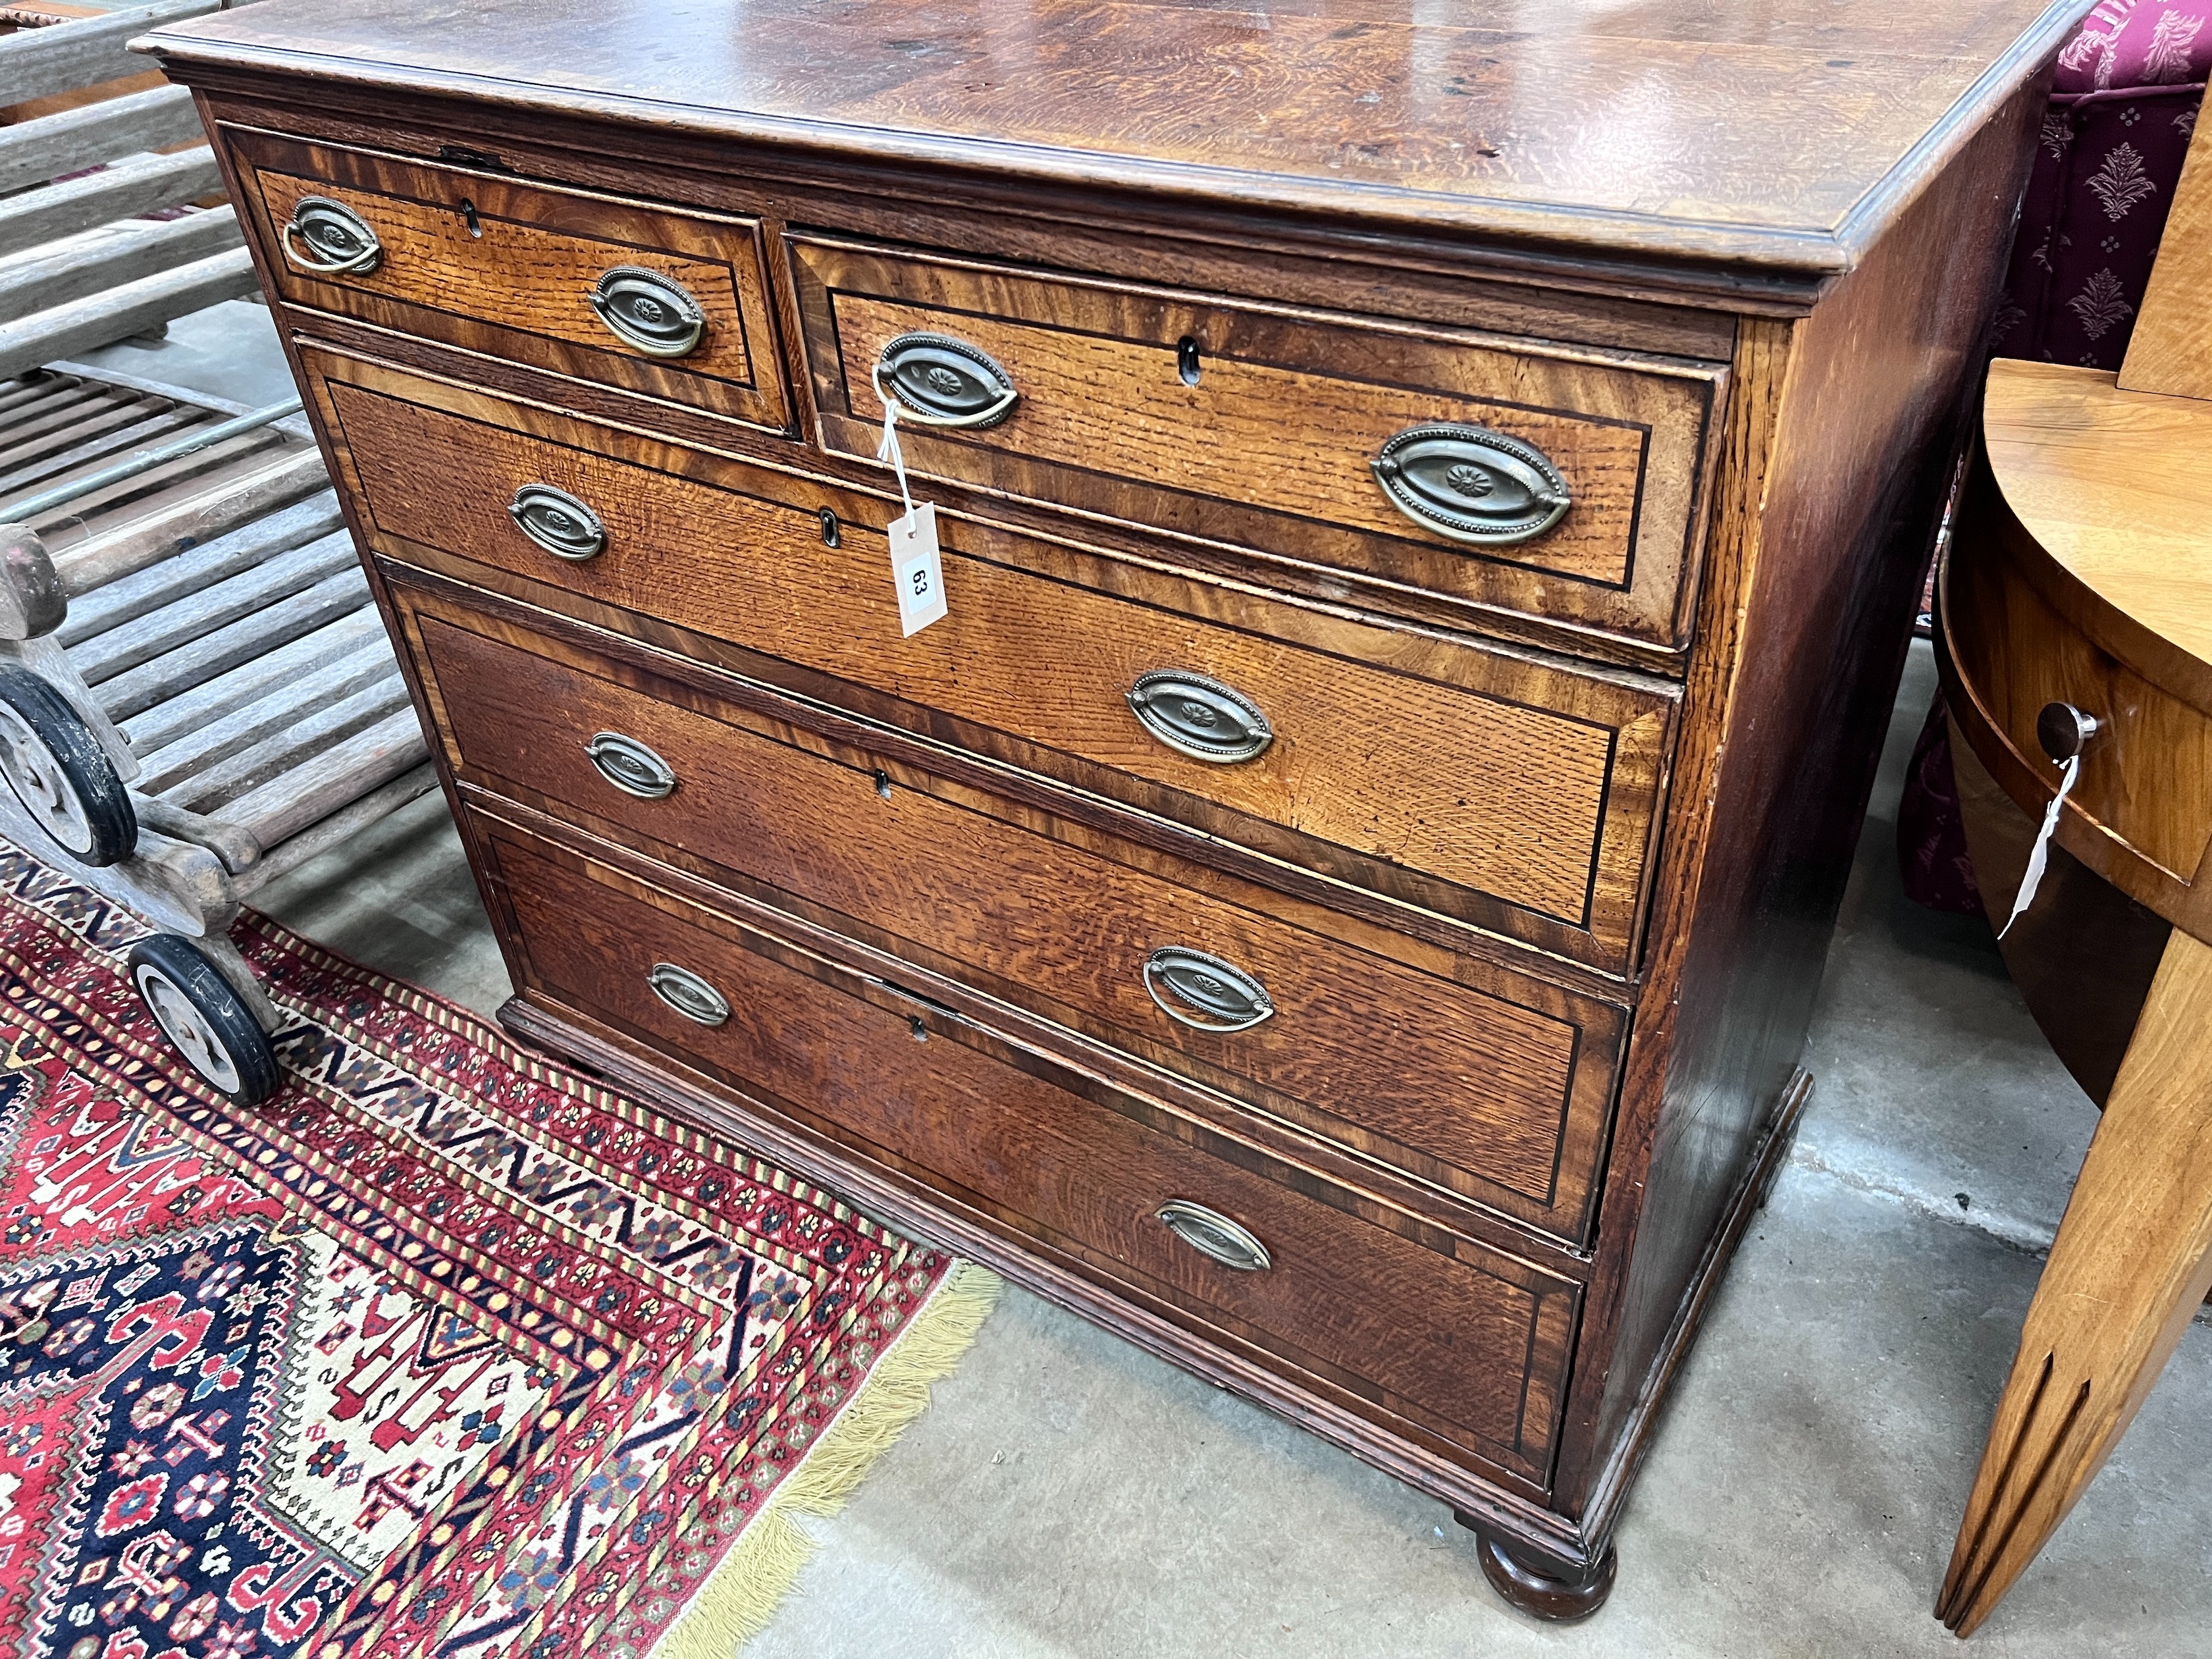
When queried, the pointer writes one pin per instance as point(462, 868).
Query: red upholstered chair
point(2122, 105)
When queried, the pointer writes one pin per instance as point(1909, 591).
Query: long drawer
point(1505, 791)
point(1466, 1343)
point(666, 302)
point(1509, 474)
point(1497, 1091)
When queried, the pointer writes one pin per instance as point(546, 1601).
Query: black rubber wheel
point(205, 1019)
point(59, 771)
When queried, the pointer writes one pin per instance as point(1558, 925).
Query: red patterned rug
point(444, 1351)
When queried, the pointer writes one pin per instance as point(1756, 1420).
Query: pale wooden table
point(2082, 575)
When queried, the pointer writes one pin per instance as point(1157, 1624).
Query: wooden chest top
point(1430, 492)
point(1762, 134)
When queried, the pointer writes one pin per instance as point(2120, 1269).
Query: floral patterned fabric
point(2123, 108)
point(1931, 834)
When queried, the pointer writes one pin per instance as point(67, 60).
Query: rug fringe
point(742, 1594)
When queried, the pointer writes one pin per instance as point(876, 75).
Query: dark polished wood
point(1540, 867)
point(1852, 419)
point(1500, 1094)
point(1542, 1589)
point(1700, 130)
point(1433, 1333)
point(1269, 442)
point(1518, 795)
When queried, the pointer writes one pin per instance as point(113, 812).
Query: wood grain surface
point(1113, 235)
point(2077, 917)
point(1471, 1345)
point(2128, 1271)
point(2145, 790)
point(1272, 445)
point(2081, 572)
point(1645, 759)
point(1716, 130)
point(1503, 1101)
point(494, 265)
point(1533, 785)
point(2171, 350)
point(1836, 471)
point(2116, 487)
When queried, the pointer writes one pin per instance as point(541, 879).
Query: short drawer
point(1409, 456)
point(1497, 1090)
point(665, 303)
point(1463, 1340)
point(1512, 793)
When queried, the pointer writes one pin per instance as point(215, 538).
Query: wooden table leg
point(2132, 1261)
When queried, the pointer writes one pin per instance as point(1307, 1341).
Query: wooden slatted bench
point(90, 150)
point(195, 693)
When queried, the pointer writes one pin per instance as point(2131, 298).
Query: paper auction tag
point(916, 571)
point(916, 568)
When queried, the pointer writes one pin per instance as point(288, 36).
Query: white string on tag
point(889, 450)
point(2040, 853)
point(917, 566)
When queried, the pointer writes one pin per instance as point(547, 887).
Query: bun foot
point(1540, 1586)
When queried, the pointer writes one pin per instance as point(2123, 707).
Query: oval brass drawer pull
point(1200, 717)
point(330, 239)
point(687, 995)
point(942, 381)
point(1214, 1236)
point(631, 767)
point(1208, 994)
point(557, 522)
point(1471, 483)
point(649, 312)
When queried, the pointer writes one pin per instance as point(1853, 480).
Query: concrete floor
point(1067, 1496)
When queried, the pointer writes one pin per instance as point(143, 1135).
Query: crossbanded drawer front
point(1510, 475)
point(1471, 1346)
point(1499, 1094)
point(1516, 795)
point(650, 299)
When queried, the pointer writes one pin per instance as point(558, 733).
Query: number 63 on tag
point(917, 569)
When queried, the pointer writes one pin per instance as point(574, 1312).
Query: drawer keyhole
point(882, 782)
point(469, 214)
point(1187, 364)
point(831, 529)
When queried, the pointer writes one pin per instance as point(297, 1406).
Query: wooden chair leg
point(2132, 1261)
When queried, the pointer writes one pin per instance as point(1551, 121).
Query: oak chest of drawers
point(1430, 516)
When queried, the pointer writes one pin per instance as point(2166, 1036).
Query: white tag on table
point(917, 569)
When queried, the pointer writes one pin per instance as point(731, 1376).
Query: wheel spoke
point(183, 1024)
point(39, 783)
